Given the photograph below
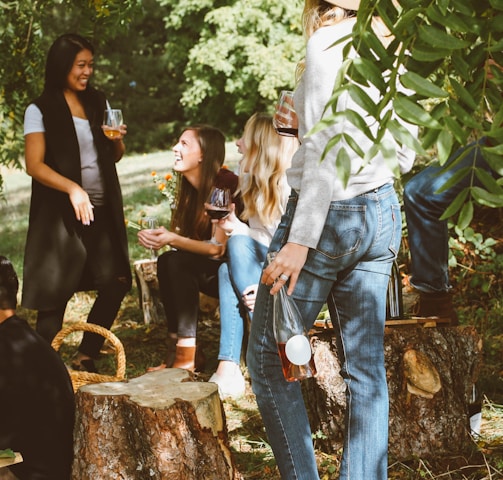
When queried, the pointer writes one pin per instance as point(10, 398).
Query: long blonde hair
point(267, 157)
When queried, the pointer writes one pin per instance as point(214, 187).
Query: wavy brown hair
point(189, 219)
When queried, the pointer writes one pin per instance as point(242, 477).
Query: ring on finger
point(284, 277)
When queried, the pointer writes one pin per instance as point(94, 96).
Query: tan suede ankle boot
point(185, 358)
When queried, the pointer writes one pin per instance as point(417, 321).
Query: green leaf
point(413, 113)
point(361, 98)
point(463, 94)
point(489, 182)
point(434, 37)
point(455, 128)
point(406, 20)
point(370, 71)
point(424, 53)
point(456, 204)
point(422, 86)
point(444, 146)
point(461, 66)
point(404, 137)
point(463, 116)
point(465, 215)
point(486, 198)
point(453, 21)
point(388, 151)
point(454, 179)
point(354, 145)
point(343, 165)
point(7, 453)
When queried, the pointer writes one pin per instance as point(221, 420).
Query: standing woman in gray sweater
point(335, 243)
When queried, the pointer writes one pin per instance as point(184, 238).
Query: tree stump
point(159, 426)
point(148, 291)
point(431, 373)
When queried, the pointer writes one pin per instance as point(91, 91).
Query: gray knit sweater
point(318, 183)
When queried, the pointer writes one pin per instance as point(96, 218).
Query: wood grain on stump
point(431, 373)
point(160, 426)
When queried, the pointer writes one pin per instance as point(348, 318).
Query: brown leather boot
point(436, 304)
point(185, 358)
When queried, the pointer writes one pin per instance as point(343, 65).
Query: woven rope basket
point(83, 378)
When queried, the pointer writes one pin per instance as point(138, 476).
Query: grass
point(144, 344)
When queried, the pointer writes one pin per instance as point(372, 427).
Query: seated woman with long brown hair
point(191, 265)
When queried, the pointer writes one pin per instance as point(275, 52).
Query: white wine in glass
point(112, 120)
point(151, 223)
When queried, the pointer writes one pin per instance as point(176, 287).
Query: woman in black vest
point(76, 236)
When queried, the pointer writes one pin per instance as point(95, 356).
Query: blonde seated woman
point(264, 192)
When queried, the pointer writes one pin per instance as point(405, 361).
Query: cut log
point(148, 291)
point(160, 426)
point(431, 373)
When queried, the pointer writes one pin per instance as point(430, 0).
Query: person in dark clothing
point(76, 236)
point(36, 394)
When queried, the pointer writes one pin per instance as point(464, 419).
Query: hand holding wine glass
point(112, 121)
point(285, 119)
point(218, 206)
point(151, 223)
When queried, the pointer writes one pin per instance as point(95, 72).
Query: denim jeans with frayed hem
point(245, 257)
point(350, 269)
point(428, 235)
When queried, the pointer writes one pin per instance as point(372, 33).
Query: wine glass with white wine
point(151, 223)
point(112, 120)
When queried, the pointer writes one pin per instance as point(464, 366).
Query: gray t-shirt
point(92, 179)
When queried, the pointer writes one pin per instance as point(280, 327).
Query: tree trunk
point(148, 291)
point(431, 373)
point(159, 426)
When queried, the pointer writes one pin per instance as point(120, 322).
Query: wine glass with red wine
point(218, 206)
point(285, 119)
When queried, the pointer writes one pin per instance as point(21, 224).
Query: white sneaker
point(232, 386)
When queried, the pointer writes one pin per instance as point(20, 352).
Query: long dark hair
point(60, 59)
point(189, 219)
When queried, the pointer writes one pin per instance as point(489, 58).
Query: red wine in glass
point(287, 132)
point(217, 206)
point(216, 213)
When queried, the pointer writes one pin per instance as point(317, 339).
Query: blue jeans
point(350, 270)
point(429, 236)
point(245, 257)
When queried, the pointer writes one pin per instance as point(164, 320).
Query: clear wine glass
point(285, 119)
point(218, 206)
point(112, 120)
point(151, 223)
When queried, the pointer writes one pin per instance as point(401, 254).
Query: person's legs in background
point(182, 275)
point(49, 323)
point(107, 271)
point(428, 235)
point(245, 257)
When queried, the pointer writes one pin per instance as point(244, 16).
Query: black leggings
point(104, 269)
point(182, 275)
